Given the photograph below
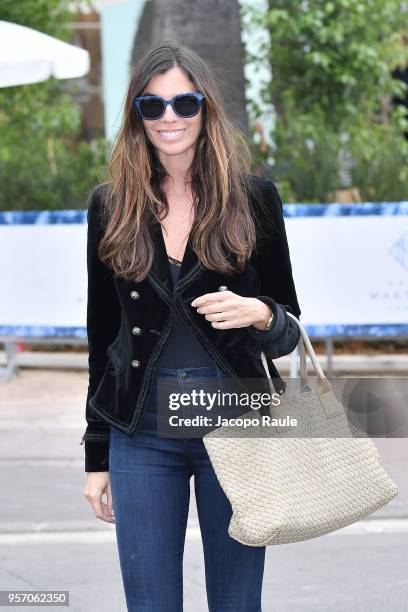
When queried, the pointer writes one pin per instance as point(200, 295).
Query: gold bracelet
point(269, 323)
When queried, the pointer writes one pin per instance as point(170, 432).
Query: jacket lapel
point(160, 270)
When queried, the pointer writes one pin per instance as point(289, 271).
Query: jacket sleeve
point(103, 322)
point(277, 286)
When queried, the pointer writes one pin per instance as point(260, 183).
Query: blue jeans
point(150, 483)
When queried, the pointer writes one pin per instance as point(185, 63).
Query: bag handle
point(310, 350)
point(303, 340)
point(324, 389)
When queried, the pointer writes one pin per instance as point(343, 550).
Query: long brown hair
point(220, 179)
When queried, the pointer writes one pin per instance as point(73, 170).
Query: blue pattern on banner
point(346, 210)
point(316, 331)
point(42, 331)
point(43, 217)
point(399, 250)
point(370, 330)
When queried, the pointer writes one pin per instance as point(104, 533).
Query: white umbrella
point(29, 56)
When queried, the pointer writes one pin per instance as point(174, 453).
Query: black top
point(182, 348)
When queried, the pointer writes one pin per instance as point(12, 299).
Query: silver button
point(134, 295)
point(222, 288)
point(137, 331)
point(135, 363)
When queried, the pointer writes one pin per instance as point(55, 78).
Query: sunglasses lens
point(186, 106)
point(151, 109)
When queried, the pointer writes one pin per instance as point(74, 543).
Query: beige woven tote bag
point(292, 484)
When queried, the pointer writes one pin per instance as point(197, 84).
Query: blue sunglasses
point(184, 105)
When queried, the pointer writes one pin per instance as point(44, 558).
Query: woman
point(182, 242)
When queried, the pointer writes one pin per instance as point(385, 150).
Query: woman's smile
point(171, 134)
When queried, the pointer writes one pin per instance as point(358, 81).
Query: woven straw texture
point(288, 490)
point(287, 484)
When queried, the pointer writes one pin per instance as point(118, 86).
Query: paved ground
point(49, 538)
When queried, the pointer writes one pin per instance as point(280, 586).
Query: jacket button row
point(135, 363)
point(134, 295)
point(137, 331)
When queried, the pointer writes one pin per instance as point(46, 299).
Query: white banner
point(350, 267)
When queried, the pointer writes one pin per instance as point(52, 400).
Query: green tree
point(332, 90)
point(43, 162)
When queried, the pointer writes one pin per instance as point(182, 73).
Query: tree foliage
point(43, 162)
point(332, 90)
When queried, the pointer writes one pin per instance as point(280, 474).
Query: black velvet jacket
point(128, 322)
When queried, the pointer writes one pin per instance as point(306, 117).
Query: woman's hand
point(96, 485)
point(226, 309)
